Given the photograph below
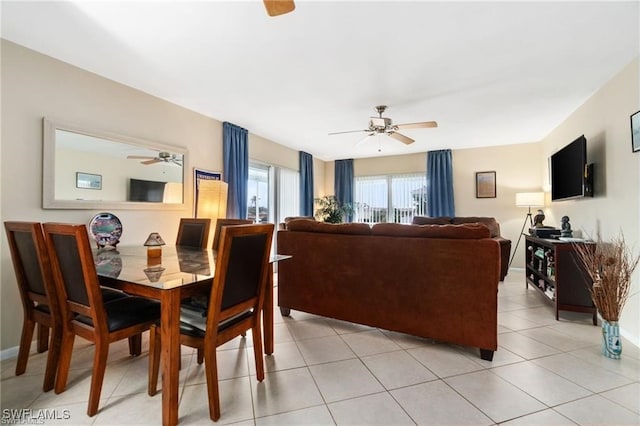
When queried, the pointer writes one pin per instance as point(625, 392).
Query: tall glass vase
point(611, 343)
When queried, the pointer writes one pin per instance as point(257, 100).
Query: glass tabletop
point(176, 267)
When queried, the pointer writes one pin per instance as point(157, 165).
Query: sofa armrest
point(505, 251)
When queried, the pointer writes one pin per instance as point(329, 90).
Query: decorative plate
point(106, 229)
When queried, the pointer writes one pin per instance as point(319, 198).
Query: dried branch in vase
point(609, 265)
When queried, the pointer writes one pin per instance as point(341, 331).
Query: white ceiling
point(490, 73)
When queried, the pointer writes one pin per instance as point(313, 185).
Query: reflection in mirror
point(89, 169)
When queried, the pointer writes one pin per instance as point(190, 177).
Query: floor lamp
point(212, 200)
point(527, 199)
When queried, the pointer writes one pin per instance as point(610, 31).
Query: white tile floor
point(327, 372)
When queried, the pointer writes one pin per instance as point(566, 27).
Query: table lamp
point(154, 245)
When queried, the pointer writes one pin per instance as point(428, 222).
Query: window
point(273, 192)
point(258, 193)
point(288, 193)
point(391, 198)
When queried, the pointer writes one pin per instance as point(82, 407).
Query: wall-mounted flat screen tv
point(570, 174)
point(146, 190)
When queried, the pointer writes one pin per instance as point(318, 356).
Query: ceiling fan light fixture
point(384, 125)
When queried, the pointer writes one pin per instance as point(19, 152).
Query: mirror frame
point(49, 160)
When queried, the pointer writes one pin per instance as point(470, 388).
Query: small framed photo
point(88, 181)
point(635, 132)
point(485, 184)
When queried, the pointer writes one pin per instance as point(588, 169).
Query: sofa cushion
point(306, 225)
point(466, 231)
point(490, 222)
point(425, 220)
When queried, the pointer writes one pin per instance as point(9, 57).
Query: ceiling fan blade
point(278, 7)
point(422, 125)
point(140, 157)
point(153, 161)
point(400, 137)
point(350, 131)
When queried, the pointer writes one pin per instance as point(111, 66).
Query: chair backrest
point(74, 273)
point(242, 265)
point(220, 223)
point(32, 265)
point(193, 232)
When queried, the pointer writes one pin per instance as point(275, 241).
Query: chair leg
point(200, 352)
point(66, 350)
point(257, 351)
point(25, 346)
point(97, 376)
point(154, 359)
point(135, 345)
point(52, 360)
point(43, 338)
point(211, 371)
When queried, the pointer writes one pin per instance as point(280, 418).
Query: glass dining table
point(178, 274)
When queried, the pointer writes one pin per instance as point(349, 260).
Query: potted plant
point(329, 210)
point(609, 265)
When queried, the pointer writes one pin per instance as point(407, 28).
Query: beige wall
point(36, 86)
point(615, 207)
point(517, 167)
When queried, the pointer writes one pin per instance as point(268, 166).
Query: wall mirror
point(89, 169)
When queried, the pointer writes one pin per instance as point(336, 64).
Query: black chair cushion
point(109, 295)
point(198, 303)
point(192, 323)
point(128, 311)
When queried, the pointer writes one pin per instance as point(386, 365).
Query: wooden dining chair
point(37, 291)
point(83, 309)
point(222, 222)
point(193, 232)
point(235, 306)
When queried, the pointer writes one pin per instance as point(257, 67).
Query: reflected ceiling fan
point(384, 125)
point(278, 7)
point(163, 157)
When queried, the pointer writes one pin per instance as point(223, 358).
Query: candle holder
point(154, 245)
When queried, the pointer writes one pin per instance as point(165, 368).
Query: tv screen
point(569, 171)
point(146, 190)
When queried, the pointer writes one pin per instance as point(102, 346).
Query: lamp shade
point(530, 199)
point(212, 199)
point(154, 239)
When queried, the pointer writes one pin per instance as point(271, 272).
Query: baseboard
point(9, 353)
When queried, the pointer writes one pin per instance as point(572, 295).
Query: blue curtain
point(440, 183)
point(343, 183)
point(235, 151)
point(306, 184)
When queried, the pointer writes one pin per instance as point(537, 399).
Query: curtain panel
point(440, 183)
point(344, 184)
point(306, 184)
point(235, 147)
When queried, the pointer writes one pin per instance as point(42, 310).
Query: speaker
point(588, 180)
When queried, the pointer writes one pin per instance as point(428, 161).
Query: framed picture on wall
point(635, 132)
point(485, 184)
point(88, 181)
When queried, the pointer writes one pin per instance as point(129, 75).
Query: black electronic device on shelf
point(544, 232)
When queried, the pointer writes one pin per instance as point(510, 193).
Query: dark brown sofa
point(492, 224)
point(437, 282)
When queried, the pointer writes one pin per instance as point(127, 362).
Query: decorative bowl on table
point(106, 229)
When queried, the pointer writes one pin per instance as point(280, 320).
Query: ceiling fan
point(163, 157)
point(384, 125)
point(278, 7)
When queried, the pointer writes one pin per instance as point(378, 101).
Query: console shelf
point(553, 269)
